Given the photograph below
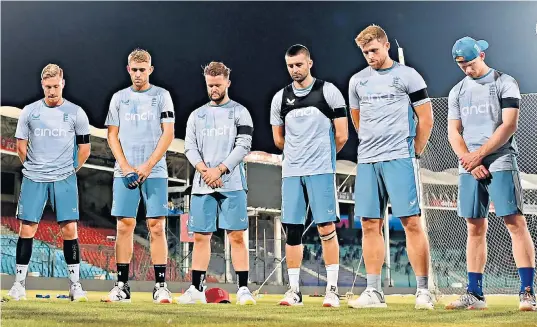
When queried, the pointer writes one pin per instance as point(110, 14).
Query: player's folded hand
point(480, 172)
point(470, 161)
point(143, 171)
point(217, 184)
point(211, 175)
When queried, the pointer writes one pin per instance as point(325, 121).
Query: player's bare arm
point(425, 126)
point(455, 137)
point(83, 154)
point(355, 116)
point(117, 150)
point(341, 132)
point(163, 144)
point(278, 135)
point(22, 149)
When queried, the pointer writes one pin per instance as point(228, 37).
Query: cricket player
point(51, 133)
point(483, 118)
point(309, 123)
point(218, 137)
point(140, 130)
point(393, 117)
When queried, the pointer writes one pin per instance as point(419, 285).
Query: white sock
point(74, 272)
point(294, 275)
point(332, 272)
point(374, 281)
point(21, 271)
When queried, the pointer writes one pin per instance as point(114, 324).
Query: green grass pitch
point(143, 312)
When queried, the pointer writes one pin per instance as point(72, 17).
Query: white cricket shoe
point(192, 296)
point(527, 300)
point(120, 293)
point(76, 293)
point(292, 298)
point(17, 292)
point(424, 300)
point(331, 298)
point(468, 301)
point(245, 297)
point(370, 298)
point(161, 293)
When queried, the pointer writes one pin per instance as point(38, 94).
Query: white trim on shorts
point(519, 195)
point(416, 166)
point(335, 195)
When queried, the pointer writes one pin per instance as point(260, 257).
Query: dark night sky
point(91, 41)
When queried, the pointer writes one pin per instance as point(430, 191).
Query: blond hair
point(215, 69)
point(51, 70)
point(139, 55)
point(370, 33)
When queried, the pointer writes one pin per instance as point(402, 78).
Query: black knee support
point(294, 234)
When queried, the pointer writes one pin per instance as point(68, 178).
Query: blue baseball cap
point(467, 49)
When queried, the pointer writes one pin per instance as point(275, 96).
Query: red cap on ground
point(217, 295)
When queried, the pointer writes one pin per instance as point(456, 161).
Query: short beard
point(299, 81)
point(220, 99)
point(381, 63)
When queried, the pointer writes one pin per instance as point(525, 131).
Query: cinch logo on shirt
point(143, 116)
point(219, 131)
point(50, 132)
point(477, 110)
point(377, 97)
point(303, 112)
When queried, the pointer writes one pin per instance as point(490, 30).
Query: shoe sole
point(477, 308)
point(330, 305)
point(287, 304)
point(527, 308)
point(163, 301)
